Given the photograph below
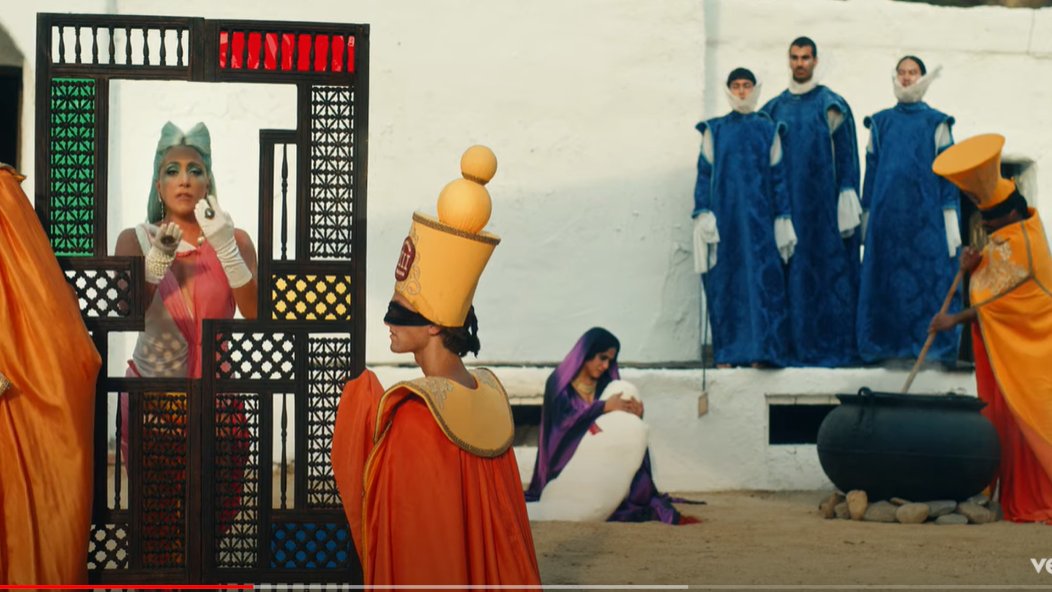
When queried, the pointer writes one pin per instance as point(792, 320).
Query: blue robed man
point(742, 230)
point(909, 225)
point(822, 174)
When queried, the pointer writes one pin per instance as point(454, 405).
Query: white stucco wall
point(590, 108)
point(727, 448)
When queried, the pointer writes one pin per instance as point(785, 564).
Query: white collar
point(802, 88)
point(746, 105)
point(914, 92)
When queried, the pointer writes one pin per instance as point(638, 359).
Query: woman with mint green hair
point(198, 266)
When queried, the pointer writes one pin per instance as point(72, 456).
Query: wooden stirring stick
point(931, 334)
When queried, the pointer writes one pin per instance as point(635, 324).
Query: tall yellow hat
point(974, 166)
point(442, 260)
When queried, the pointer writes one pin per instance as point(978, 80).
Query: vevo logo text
point(1045, 563)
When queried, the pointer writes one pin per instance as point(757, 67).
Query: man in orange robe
point(48, 367)
point(1011, 297)
point(428, 479)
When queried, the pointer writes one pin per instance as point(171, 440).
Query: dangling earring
point(164, 212)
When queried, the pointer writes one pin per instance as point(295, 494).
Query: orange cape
point(423, 510)
point(1012, 293)
point(47, 414)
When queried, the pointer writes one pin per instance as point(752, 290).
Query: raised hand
point(218, 228)
point(163, 244)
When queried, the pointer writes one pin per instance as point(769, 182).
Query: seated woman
point(198, 266)
point(574, 420)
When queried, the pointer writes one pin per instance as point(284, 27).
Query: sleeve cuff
point(706, 239)
point(849, 212)
point(953, 231)
point(784, 237)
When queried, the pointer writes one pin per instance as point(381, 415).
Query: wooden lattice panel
point(163, 441)
point(108, 546)
point(312, 297)
point(297, 545)
point(329, 210)
point(237, 475)
point(329, 363)
point(256, 356)
point(72, 150)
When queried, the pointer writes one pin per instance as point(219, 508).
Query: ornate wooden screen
point(190, 498)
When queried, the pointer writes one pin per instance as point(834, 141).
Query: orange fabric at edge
point(46, 417)
point(1015, 323)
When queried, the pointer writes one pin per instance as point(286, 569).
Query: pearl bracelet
point(157, 264)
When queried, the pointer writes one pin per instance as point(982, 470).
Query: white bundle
point(599, 474)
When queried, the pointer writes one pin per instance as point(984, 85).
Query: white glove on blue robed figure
point(706, 241)
point(218, 229)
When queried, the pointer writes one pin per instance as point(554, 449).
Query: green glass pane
point(72, 150)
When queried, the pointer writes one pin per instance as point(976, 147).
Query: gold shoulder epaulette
point(477, 420)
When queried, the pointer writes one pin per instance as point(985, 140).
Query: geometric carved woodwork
point(183, 475)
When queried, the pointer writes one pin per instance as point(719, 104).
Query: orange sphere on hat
point(464, 203)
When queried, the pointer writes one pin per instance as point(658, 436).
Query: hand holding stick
point(931, 333)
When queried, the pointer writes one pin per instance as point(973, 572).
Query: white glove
point(163, 244)
point(706, 239)
point(784, 237)
point(848, 212)
point(218, 228)
point(953, 230)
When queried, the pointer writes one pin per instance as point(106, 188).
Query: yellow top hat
point(974, 166)
point(442, 259)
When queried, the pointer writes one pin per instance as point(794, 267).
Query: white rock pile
point(978, 509)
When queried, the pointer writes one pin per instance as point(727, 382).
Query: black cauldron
point(917, 447)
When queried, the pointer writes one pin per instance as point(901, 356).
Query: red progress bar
point(127, 587)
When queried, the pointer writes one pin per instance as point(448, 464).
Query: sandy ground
point(778, 540)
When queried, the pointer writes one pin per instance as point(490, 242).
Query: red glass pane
point(222, 49)
point(321, 52)
point(259, 50)
point(337, 53)
point(288, 43)
point(237, 48)
point(303, 57)
point(255, 45)
point(270, 59)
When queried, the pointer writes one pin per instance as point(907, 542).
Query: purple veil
point(565, 417)
point(588, 345)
